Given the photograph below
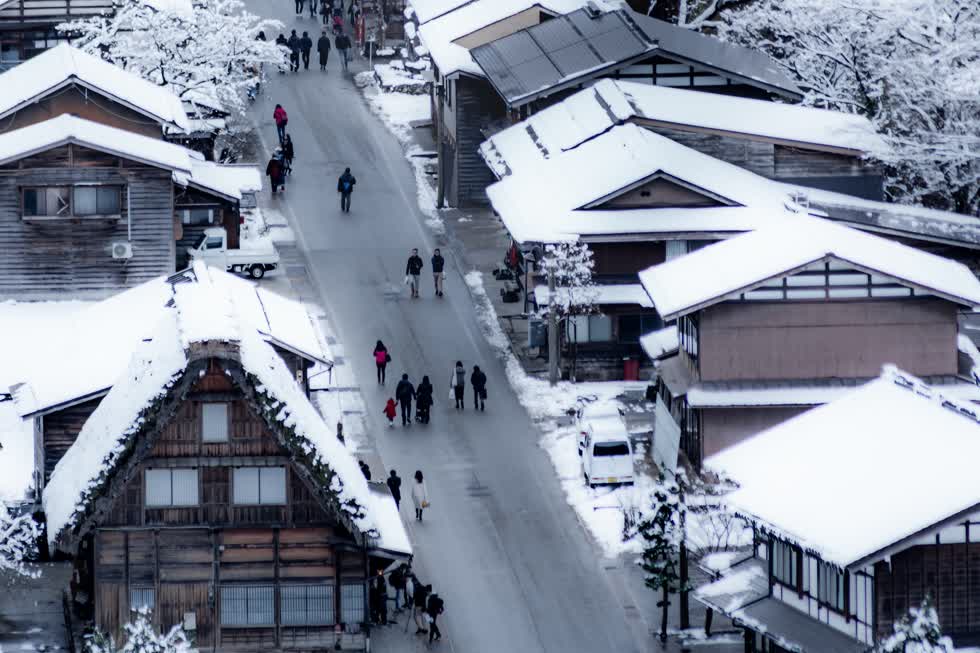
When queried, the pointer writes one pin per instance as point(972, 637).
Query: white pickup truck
point(212, 248)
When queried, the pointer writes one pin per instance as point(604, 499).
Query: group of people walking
point(413, 272)
point(410, 594)
point(300, 48)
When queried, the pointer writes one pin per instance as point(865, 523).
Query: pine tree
point(918, 632)
point(663, 532)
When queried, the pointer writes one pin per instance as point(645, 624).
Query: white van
point(605, 447)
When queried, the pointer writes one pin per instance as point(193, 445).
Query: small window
point(47, 202)
point(784, 563)
point(247, 605)
point(831, 586)
point(69, 201)
point(306, 605)
point(171, 487)
point(214, 422)
point(197, 216)
point(600, 328)
point(611, 449)
point(142, 597)
point(352, 603)
point(213, 242)
point(259, 486)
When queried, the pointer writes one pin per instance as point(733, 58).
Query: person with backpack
point(275, 171)
point(281, 119)
point(438, 276)
point(342, 43)
point(419, 603)
point(479, 381)
point(287, 155)
point(423, 399)
point(435, 607)
point(345, 186)
point(306, 44)
point(404, 393)
point(293, 43)
point(395, 485)
point(381, 360)
point(420, 496)
point(457, 384)
point(323, 49)
point(412, 271)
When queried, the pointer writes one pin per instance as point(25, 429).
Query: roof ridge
point(916, 385)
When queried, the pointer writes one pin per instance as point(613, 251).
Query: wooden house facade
point(476, 97)
point(27, 27)
point(817, 582)
point(768, 342)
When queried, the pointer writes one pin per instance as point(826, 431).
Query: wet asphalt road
point(499, 543)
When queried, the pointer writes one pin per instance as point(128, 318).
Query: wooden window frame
point(170, 471)
point(823, 569)
point(121, 188)
point(285, 501)
point(227, 435)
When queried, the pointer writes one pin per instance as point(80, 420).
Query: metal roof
point(570, 49)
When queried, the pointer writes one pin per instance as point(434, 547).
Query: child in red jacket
point(390, 411)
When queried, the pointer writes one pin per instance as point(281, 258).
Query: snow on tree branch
point(911, 66)
point(141, 637)
point(692, 14)
point(572, 265)
point(918, 632)
point(211, 53)
point(18, 542)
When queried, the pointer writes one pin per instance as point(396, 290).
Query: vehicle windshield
point(200, 241)
point(611, 449)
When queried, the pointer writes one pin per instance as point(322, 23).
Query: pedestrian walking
point(419, 602)
point(395, 485)
point(342, 43)
point(345, 186)
point(381, 360)
point(438, 276)
point(325, 11)
point(281, 119)
point(323, 49)
point(275, 171)
point(338, 23)
point(479, 382)
point(293, 43)
point(299, 7)
point(306, 44)
point(364, 469)
point(404, 393)
point(412, 271)
point(434, 608)
point(420, 497)
point(287, 155)
point(353, 12)
point(390, 410)
point(313, 4)
point(378, 599)
point(423, 399)
point(284, 46)
point(457, 384)
point(397, 580)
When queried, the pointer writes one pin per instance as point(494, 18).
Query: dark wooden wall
point(61, 429)
point(724, 427)
point(948, 573)
point(626, 259)
point(74, 256)
point(843, 339)
point(83, 103)
point(476, 105)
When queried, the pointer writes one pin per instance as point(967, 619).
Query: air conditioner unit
point(122, 250)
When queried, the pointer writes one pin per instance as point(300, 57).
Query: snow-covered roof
point(552, 199)
point(63, 64)
point(888, 444)
point(605, 294)
point(16, 454)
point(426, 10)
point(748, 394)
point(201, 313)
point(99, 340)
point(229, 180)
point(66, 128)
point(439, 34)
point(609, 102)
point(733, 266)
point(659, 343)
point(392, 535)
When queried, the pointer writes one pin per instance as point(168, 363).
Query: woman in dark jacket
point(287, 154)
point(381, 360)
point(423, 399)
point(479, 381)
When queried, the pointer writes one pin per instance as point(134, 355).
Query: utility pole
point(437, 94)
point(552, 330)
point(684, 598)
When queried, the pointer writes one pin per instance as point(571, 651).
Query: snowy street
point(499, 543)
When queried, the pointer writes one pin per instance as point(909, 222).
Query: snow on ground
point(263, 225)
point(398, 111)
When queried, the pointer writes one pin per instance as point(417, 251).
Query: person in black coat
point(342, 43)
point(413, 268)
point(323, 48)
point(282, 43)
point(305, 45)
point(438, 264)
point(433, 609)
point(345, 186)
point(423, 399)
point(395, 485)
point(287, 154)
point(420, 602)
point(404, 393)
point(479, 381)
point(293, 44)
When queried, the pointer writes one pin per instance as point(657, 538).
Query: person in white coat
point(419, 495)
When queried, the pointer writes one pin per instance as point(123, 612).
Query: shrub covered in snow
point(18, 541)
point(918, 632)
point(141, 637)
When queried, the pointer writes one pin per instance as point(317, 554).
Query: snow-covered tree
point(575, 292)
point(18, 542)
point(918, 632)
point(662, 531)
point(693, 14)
point(911, 66)
point(141, 637)
point(211, 51)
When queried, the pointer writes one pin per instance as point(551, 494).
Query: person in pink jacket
point(381, 360)
point(279, 115)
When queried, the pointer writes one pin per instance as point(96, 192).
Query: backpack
point(380, 357)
